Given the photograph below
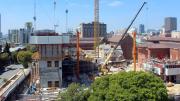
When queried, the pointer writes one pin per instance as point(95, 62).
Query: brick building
point(162, 56)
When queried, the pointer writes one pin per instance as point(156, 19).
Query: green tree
point(31, 48)
point(7, 48)
point(124, 86)
point(74, 92)
point(14, 57)
point(4, 58)
point(24, 57)
point(128, 86)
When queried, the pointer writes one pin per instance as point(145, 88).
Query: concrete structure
point(28, 32)
point(13, 35)
point(161, 55)
point(141, 29)
point(52, 50)
point(87, 30)
point(11, 82)
point(126, 45)
point(175, 34)
point(22, 35)
point(170, 24)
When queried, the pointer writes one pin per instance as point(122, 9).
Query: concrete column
point(149, 53)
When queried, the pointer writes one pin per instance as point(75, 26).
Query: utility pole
point(66, 20)
point(34, 18)
point(55, 25)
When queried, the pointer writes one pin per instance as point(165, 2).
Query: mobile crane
point(103, 68)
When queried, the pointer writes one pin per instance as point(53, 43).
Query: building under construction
point(57, 59)
point(161, 55)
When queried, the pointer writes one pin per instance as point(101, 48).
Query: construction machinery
point(103, 68)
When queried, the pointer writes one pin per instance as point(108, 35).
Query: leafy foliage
point(14, 57)
point(24, 57)
point(4, 58)
point(75, 92)
point(129, 86)
point(30, 48)
point(7, 48)
point(124, 86)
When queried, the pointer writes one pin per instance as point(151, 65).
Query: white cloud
point(115, 3)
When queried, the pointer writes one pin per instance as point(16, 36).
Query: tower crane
point(96, 26)
point(103, 69)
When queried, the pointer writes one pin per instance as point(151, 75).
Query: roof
point(84, 40)
point(160, 45)
point(116, 38)
point(36, 56)
point(167, 39)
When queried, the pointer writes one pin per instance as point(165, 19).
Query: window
point(56, 83)
point(56, 63)
point(49, 64)
point(49, 84)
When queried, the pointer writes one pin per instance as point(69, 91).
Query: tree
point(74, 92)
point(124, 86)
point(14, 57)
point(30, 48)
point(7, 48)
point(128, 86)
point(4, 58)
point(24, 57)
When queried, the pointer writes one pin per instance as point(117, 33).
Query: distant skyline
point(117, 14)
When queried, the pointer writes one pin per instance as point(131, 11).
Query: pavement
point(174, 90)
point(10, 72)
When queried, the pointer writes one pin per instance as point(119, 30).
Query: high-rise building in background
point(141, 29)
point(170, 24)
point(28, 31)
point(22, 35)
point(87, 30)
point(13, 36)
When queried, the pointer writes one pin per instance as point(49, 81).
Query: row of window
point(49, 63)
point(53, 84)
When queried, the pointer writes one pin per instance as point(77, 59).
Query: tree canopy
point(7, 48)
point(129, 86)
point(24, 57)
point(4, 58)
point(74, 92)
point(124, 86)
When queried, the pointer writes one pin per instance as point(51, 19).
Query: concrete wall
point(142, 55)
point(159, 53)
point(175, 34)
point(49, 39)
point(178, 78)
point(50, 73)
point(175, 54)
point(172, 71)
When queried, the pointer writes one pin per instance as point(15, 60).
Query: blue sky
point(117, 14)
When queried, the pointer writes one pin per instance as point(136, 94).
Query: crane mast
point(96, 26)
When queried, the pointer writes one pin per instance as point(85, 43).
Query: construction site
point(61, 59)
